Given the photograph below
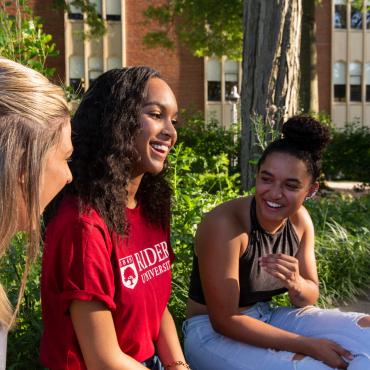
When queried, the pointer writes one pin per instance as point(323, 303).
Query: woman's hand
point(285, 268)
point(302, 285)
point(329, 352)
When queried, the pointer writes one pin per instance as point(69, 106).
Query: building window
point(339, 80)
point(74, 12)
point(356, 18)
point(340, 14)
point(113, 10)
point(76, 73)
point(355, 81)
point(88, 58)
point(214, 80)
point(114, 62)
point(98, 6)
point(367, 71)
point(231, 69)
point(222, 77)
point(95, 68)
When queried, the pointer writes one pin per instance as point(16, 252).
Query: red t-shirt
point(132, 276)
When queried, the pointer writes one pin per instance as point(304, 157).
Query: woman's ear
point(313, 190)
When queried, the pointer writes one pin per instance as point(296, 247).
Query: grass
point(342, 225)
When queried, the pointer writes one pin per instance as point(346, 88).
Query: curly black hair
point(304, 138)
point(104, 129)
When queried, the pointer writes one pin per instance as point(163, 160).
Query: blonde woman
point(35, 145)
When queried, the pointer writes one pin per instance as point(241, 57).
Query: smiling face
point(158, 135)
point(282, 184)
point(56, 173)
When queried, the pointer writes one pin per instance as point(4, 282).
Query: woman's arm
point(168, 345)
point(298, 274)
point(219, 243)
point(94, 327)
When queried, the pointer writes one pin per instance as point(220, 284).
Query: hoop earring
point(311, 195)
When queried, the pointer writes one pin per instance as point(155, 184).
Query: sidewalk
point(343, 185)
point(362, 304)
point(346, 185)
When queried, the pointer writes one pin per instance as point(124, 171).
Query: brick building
point(80, 60)
point(343, 45)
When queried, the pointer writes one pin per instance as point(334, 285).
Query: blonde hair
point(32, 114)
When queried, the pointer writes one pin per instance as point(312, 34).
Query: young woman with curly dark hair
point(252, 248)
point(106, 277)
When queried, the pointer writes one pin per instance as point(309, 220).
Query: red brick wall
point(183, 72)
point(323, 43)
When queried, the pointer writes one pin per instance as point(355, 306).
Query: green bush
point(23, 342)
point(208, 141)
point(195, 193)
point(348, 155)
point(22, 38)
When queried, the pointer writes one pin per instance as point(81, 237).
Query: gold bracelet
point(177, 363)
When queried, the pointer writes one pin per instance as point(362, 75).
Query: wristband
point(177, 363)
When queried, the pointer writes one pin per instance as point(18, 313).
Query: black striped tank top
point(256, 285)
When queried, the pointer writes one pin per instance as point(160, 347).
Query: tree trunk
point(271, 47)
point(309, 91)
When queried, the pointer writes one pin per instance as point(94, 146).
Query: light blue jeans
point(207, 350)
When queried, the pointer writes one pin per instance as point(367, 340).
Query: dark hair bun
point(306, 133)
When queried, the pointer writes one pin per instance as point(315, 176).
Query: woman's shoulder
point(75, 227)
point(228, 217)
point(301, 221)
point(232, 207)
point(72, 212)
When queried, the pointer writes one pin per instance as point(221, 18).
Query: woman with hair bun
point(253, 248)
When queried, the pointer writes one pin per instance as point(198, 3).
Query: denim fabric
point(205, 349)
point(153, 363)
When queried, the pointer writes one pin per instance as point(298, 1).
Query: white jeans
point(207, 350)
point(3, 340)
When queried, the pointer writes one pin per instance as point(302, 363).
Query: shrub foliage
point(348, 155)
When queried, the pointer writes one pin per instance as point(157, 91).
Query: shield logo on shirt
point(128, 272)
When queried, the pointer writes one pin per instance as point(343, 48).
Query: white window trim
point(87, 54)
